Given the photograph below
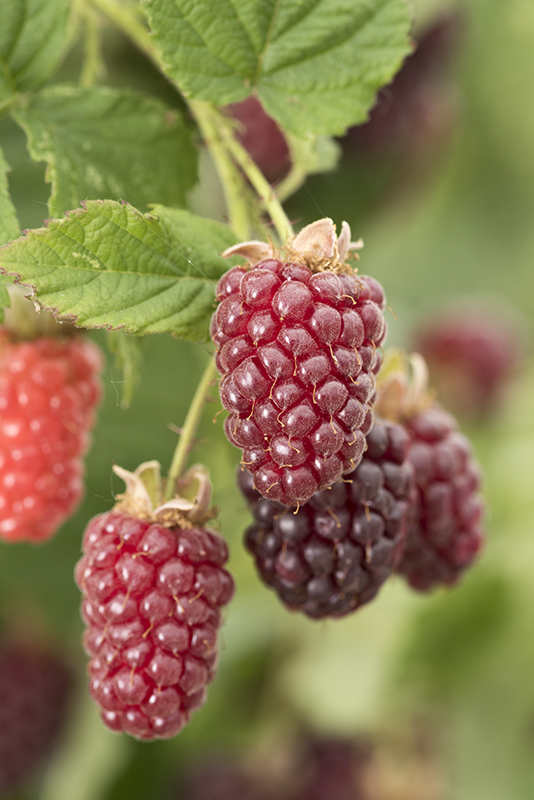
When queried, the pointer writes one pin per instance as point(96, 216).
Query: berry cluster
point(446, 532)
point(151, 600)
point(49, 389)
point(34, 693)
point(298, 354)
point(334, 553)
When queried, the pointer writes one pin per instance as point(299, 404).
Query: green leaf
point(32, 40)
point(100, 142)
point(108, 265)
point(316, 65)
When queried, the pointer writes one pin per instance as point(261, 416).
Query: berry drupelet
point(333, 555)
point(297, 347)
point(153, 585)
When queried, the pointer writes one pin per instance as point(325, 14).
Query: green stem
point(263, 188)
point(189, 429)
point(128, 20)
point(234, 187)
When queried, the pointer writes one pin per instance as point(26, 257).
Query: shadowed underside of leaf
point(108, 265)
point(315, 64)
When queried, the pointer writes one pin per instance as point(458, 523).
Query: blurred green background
point(462, 661)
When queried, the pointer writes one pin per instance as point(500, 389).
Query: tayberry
point(446, 533)
point(152, 599)
point(297, 349)
point(334, 553)
point(49, 389)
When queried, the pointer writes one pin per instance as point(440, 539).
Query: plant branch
point(263, 188)
point(234, 186)
point(189, 429)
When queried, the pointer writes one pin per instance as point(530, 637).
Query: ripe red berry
point(334, 553)
point(34, 692)
point(151, 602)
point(446, 533)
point(298, 352)
point(262, 138)
point(49, 389)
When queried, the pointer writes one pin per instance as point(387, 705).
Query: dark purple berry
point(333, 554)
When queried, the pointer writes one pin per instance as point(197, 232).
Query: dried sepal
point(253, 251)
point(317, 241)
point(316, 245)
point(137, 500)
point(143, 497)
point(193, 497)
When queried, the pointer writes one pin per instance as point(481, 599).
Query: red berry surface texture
point(334, 554)
point(152, 598)
point(34, 693)
point(445, 532)
point(49, 389)
point(297, 348)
